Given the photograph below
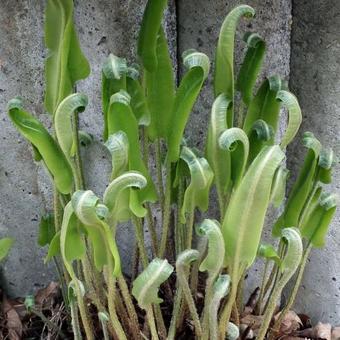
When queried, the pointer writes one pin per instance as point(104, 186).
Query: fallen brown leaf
point(13, 322)
point(323, 331)
point(254, 321)
point(290, 323)
point(336, 333)
point(46, 296)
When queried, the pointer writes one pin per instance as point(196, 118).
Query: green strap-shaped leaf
point(242, 228)
point(151, 24)
point(63, 121)
point(224, 59)
point(197, 193)
point(46, 230)
point(251, 66)
point(236, 140)
point(66, 63)
point(49, 150)
point(327, 160)
point(213, 262)
point(146, 285)
point(121, 118)
point(5, 246)
point(302, 186)
point(138, 101)
point(185, 258)
point(198, 68)
point(160, 88)
point(294, 116)
point(278, 191)
point(268, 252)
point(264, 105)
point(118, 206)
point(72, 245)
point(54, 248)
point(113, 80)
point(261, 134)
point(314, 228)
point(218, 158)
point(92, 214)
point(118, 145)
point(293, 254)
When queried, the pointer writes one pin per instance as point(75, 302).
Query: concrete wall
point(111, 26)
point(315, 78)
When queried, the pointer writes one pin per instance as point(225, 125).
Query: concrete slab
point(315, 69)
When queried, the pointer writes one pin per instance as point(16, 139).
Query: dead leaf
point(336, 333)
point(46, 296)
point(13, 322)
point(290, 323)
point(323, 331)
point(254, 321)
point(306, 321)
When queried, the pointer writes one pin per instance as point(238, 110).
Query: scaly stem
point(226, 312)
point(206, 309)
point(111, 287)
point(160, 322)
point(152, 324)
point(270, 309)
point(75, 321)
point(160, 173)
point(183, 283)
point(179, 227)
point(239, 295)
point(175, 314)
point(190, 226)
point(166, 212)
point(258, 307)
point(104, 329)
point(140, 240)
point(83, 311)
point(152, 229)
point(62, 280)
point(293, 293)
point(129, 305)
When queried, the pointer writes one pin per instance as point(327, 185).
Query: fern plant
point(143, 109)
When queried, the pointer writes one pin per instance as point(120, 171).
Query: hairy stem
point(151, 320)
point(258, 307)
point(179, 227)
point(226, 312)
point(152, 229)
point(175, 314)
point(129, 305)
point(104, 329)
point(75, 321)
point(166, 211)
point(140, 240)
point(183, 283)
point(84, 314)
point(111, 287)
point(293, 292)
point(159, 173)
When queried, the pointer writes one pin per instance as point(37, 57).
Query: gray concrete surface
point(111, 26)
point(315, 69)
